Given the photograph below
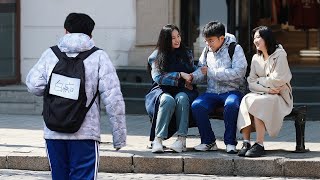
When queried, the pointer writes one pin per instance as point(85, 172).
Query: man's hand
point(188, 85)
point(204, 70)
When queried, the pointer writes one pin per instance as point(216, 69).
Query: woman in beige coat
point(270, 99)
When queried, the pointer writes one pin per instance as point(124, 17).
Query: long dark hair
point(164, 47)
point(267, 35)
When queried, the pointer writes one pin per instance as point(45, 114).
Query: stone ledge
point(215, 163)
point(158, 164)
point(3, 162)
point(25, 161)
point(264, 166)
point(301, 168)
point(113, 162)
point(209, 165)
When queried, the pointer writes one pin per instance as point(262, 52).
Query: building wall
point(42, 26)
point(151, 16)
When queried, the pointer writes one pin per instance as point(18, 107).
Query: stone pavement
point(9, 174)
point(22, 147)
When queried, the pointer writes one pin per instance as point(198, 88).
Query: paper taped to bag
point(64, 86)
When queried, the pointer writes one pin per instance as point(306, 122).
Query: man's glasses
point(211, 42)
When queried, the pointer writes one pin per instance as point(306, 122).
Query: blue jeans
point(168, 105)
point(206, 103)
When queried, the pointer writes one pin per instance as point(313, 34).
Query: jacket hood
point(228, 38)
point(75, 43)
point(279, 51)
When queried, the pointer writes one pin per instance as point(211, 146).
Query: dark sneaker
point(255, 151)
point(245, 147)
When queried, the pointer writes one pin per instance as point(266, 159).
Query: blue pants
point(168, 105)
point(73, 159)
point(206, 103)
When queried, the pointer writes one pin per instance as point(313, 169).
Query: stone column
point(151, 16)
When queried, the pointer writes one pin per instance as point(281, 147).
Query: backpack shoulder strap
point(58, 53)
point(83, 55)
point(206, 51)
point(231, 48)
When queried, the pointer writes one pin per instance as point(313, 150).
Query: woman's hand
point(188, 80)
point(186, 76)
point(275, 90)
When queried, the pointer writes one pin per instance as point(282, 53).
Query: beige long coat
point(271, 109)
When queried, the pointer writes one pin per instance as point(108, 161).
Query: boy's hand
point(188, 85)
point(204, 70)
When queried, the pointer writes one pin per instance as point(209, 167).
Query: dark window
point(9, 48)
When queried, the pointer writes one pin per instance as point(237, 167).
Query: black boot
point(255, 151)
point(245, 147)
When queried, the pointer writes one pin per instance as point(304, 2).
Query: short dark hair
point(213, 28)
point(79, 23)
point(267, 35)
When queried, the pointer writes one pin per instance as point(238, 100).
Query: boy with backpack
point(71, 77)
point(223, 66)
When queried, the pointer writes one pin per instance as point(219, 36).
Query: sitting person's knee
point(167, 101)
point(197, 105)
point(182, 98)
point(234, 104)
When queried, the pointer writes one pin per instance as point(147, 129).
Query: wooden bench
point(297, 113)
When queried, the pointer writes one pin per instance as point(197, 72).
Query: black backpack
point(64, 100)
point(244, 84)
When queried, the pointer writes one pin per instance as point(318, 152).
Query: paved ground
point(45, 175)
point(25, 131)
point(21, 138)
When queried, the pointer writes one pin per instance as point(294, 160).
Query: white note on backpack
point(64, 86)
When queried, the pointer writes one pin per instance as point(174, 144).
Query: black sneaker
point(245, 147)
point(255, 151)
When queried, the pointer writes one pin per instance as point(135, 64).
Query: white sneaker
point(231, 149)
point(179, 145)
point(206, 147)
point(157, 145)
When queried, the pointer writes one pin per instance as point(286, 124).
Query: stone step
point(300, 94)
point(133, 75)
point(301, 76)
point(133, 106)
point(135, 90)
point(305, 77)
point(135, 83)
point(21, 108)
point(312, 110)
point(306, 94)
